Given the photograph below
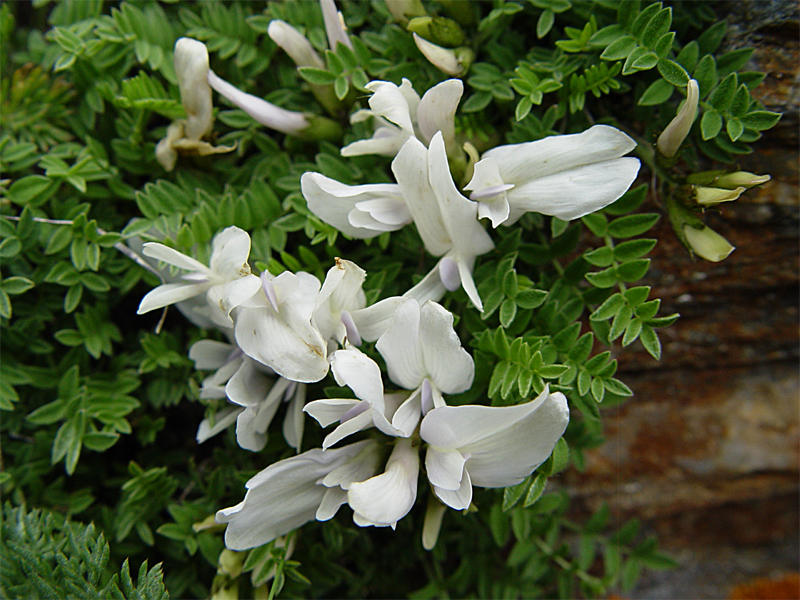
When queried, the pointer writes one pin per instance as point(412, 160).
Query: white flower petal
point(341, 291)
point(361, 374)
point(331, 410)
point(282, 497)
point(459, 499)
point(459, 215)
point(400, 346)
point(285, 342)
point(295, 44)
point(387, 498)
point(349, 427)
point(437, 110)
point(210, 354)
point(221, 421)
point(505, 444)
point(191, 68)
point(357, 469)
point(334, 497)
point(334, 25)
point(450, 367)
point(274, 117)
point(231, 250)
point(386, 141)
point(173, 257)
point(433, 523)
point(169, 293)
point(389, 102)
point(520, 163)
point(410, 168)
point(431, 286)
point(408, 414)
point(373, 320)
point(572, 194)
point(445, 468)
point(225, 297)
point(465, 264)
point(293, 422)
point(333, 202)
point(249, 385)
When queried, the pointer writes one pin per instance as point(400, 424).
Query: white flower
point(489, 446)
point(266, 113)
point(565, 176)
point(288, 494)
point(227, 283)
point(360, 211)
point(274, 327)
point(295, 44)
point(446, 221)
point(247, 384)
point(334, 25)
point(400, 114)
point(451, 62)
point(340, 295)
point(361, 374)
point(670, 140)
point(191, 68)
point(423, 353)
point(184, 135)
point(383, 500)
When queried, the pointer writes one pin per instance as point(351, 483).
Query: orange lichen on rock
point(787, 587)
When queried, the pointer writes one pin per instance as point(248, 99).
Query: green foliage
point(101, 406)
point(47, 557)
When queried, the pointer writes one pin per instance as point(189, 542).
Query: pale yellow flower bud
point(670, 140)
point(707, 243)
point(731, 181)
point(710, 196)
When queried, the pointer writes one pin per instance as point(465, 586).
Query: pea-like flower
point(227, 282)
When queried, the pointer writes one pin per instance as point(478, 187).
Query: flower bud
point(295, 44)
point(711, 196)
point(191, 68)
point(452, 62)
point(670, 140)
point(230, 563)
point(334, 25)
point(731, 181)
point(438, 30)
point(707, 243)
point(403, 10)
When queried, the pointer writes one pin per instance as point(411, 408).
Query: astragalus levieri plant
point(404, 242)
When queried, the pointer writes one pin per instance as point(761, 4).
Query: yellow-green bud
point(670, 140)
point(707, 243)
point(403, 10)
point(731, 181)
point(709, 196)
point(438, 30)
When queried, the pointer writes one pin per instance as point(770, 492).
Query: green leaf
point(32, 189)
point(734, 128)
point(633, 270)
point(705, 73)
point(545, 23)
point(722, 97)
point(631, 225)
point(609, 308)
point(620, 49)
point(760, 120)
point(650, 341)
point(529, 299)
point(512, 495)
point(657, 93)
point(508, 310)
point(477, 101)
point(536, 490)
point(657, 26)
point(601, 257)
point(317, 76)
point(603, 279)
point(16, 285)
point(673, 73)
point(633, 249)
point(710, 124)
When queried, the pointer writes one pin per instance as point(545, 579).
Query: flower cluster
point(288, 330)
